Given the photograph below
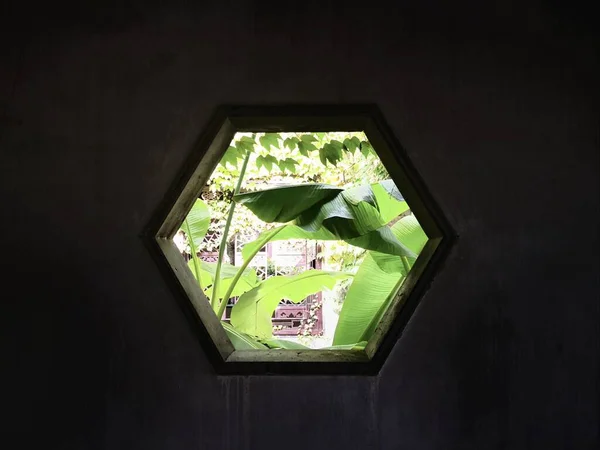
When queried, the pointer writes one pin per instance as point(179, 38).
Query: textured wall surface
point(498, 110)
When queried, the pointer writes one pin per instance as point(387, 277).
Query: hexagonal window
point(299, 239)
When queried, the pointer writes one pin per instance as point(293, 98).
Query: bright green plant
point(357, 215)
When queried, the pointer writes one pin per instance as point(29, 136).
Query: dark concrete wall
point(497, 107)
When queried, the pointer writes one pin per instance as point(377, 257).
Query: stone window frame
point(196, 170)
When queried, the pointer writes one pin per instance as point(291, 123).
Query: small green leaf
point(330, 153)
point(246, 144)
point(336, 144)
point(260, 161)
point(366, 148)
point(266, 162)
point(269, 140)
point(269, 160)
point(291, 142)
point(288, 164)
point(241, 341)
point(231, 156)
point(351, 145)
point(305, 147)
point(308, 138)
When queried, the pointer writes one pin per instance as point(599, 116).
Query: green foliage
point(351, 144)
point(252, 312)
point(382, 239)
point(266, 162)
point(329, 213)
point(287, 164)
point(291, 142)
point(276, 164)
point(247, 280)
point(195, 226)
point(331, 152)
point(275, 205)
point(281, 343)
point(350, 202)
point(269, 140)
point(198, 220)
point(241, 341)
point(375, 284)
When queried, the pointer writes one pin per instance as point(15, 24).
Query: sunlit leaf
point(374, 284)
point(205, 278)
point(247, 281)
point(269, 140)
point(266, 162)
point(366, 148)
point(288, 164)
point(274, 205)
point(390, 202)
point(308, 138)
point(305, 147)
point(252, 312)
point(198, 220)
point(291, 142)
point(241, 341)
point(352, 144)
point(330, 153)
point(336, 144)
point(230, 157)
point(246, 144)
point(381, 240)
point(345, 214)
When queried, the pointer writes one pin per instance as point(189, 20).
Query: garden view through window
point(300, 240)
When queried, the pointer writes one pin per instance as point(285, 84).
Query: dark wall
point(496, 105)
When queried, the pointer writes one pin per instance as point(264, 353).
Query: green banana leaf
point(291, 345)
point(356, 346)
point(244, 284)
point(390, 204)
point(389, 201)
point(195, 226)
point(286, 203)
point(247, 281)
point(285, 344)
point(205, 277)
point(374, 283)
point(198, 221)
point(348, 213)
point(241, 341)
point(252, 313)
point(381, 240)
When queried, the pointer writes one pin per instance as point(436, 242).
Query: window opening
point(357, 240)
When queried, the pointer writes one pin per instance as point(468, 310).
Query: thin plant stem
point(193, 250)
point(244, 266)
point(215, 293)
